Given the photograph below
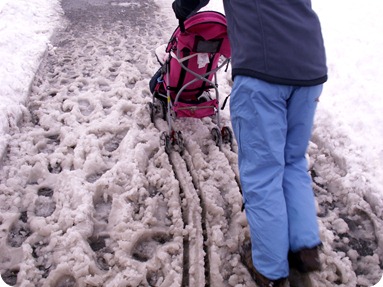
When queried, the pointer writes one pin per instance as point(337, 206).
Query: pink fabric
point(205, 109)
point(209, 25)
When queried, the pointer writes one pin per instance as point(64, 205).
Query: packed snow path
point(90, 198)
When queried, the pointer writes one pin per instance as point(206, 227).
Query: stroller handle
point(182, 25)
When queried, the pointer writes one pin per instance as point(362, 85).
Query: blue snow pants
point(272, 125)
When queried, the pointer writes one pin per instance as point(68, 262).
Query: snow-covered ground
point(87, 194)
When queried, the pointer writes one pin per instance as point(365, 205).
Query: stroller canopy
point(205, 32)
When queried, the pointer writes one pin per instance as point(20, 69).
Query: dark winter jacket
point(278, 41)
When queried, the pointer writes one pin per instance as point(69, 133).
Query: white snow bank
point(25, 29)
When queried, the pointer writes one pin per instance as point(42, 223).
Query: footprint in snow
point(85, 107)
point(44, 204)
point(10, 276)
point(43, 257)
point(102, 203)
point(93, 177)
point(55, 167)
point(66, 281)
point(113, 143)
point(48, 144)
point(146, 245)
point(19, 231)
point(99, 246)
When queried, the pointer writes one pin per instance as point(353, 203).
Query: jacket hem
point(277, 80)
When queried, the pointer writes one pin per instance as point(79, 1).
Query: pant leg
point(297, 185)
point(259, 119)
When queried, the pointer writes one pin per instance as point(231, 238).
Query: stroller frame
point(174, 105)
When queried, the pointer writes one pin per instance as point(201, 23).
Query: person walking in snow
point(278, 67)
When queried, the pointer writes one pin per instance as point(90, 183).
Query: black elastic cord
point(182, 26)
point(225, 101)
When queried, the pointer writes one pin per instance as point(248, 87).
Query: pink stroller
point(182, 86)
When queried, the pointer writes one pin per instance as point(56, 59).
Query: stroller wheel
point(217, 137)
point(179, 141)
point(163, 110)
point(151, 111)
point(157, 109)
point(227, 135)
point(165, 140)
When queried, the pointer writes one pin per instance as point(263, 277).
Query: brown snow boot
point(305, 260)
point(301, 264)
point(262, 281)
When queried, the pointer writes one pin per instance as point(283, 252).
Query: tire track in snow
point(195, 263)
point(206, 174)
point(224, 224)
point(195, 260)
point(216, 217)
point(222, 202)
point(189, 165)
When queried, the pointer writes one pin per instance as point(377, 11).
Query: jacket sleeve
point(185, 8)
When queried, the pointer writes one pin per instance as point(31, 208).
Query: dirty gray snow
point(90, 198)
